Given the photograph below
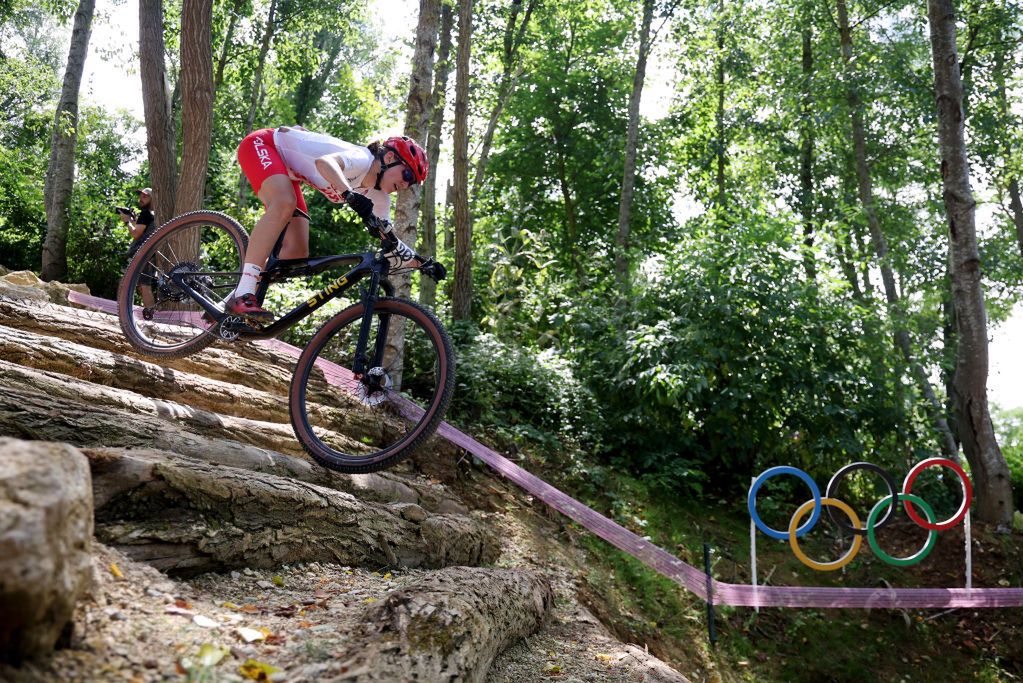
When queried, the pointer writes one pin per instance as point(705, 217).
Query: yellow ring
point(824, 566)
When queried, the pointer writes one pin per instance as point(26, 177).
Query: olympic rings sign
point(888, 504)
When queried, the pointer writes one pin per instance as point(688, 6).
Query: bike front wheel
point(363, 422)
point(206, 250)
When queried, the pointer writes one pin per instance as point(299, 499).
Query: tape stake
point(753, 556)
point(710, 596)
point(968, 536)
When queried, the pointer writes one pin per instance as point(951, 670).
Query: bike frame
point(376, 266)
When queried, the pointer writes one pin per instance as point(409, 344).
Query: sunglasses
point(406, 173)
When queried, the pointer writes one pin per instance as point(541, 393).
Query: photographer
point(141, 226)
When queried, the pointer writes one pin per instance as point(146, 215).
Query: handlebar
point(390, 243)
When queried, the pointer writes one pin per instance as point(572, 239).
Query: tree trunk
point(513, 37)
point(719, 113)
point(161, 141)
point(806, 130)
point(197, 104)
point(461, 297)
point(1016, 207)
point(186, 517)
point(880, 242)
point(256, 85)
point(310, 88)
point(428, 244)
point(571, 238)
point(990, 472)
point(61, 170)
point(449, 627)
point(232, 23)
point(417, 120)
point(1012, 181)
point(622, 266)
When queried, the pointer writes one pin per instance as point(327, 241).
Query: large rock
point(24, 284)
point(45, 537)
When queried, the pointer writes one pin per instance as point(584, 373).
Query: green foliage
point(519, 395)
point(97, 240)
point(1009, 430)
point(729, 363)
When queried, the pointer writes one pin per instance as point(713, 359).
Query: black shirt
point(146, 217)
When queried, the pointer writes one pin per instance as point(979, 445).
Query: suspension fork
point(369, 300)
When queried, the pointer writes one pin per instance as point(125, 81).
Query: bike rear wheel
point(159, 318)
point(363, 423)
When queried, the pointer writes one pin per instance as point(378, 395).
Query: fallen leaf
point(182, 603)
point(204, 621)
point(116, 571)
point(257, 671)
point(250, 635)
point(277, 580)
point(230, 605)
point(210, 654)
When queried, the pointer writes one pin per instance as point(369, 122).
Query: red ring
point(967, 493)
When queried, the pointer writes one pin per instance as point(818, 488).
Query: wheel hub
point(374, 387)
point(168, 291)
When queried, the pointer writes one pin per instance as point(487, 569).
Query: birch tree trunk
point(866, 192)
point(60, 173)
point(428, 201)
point(417, 121)
point(156, 103)
point(461, 298)
point(993, 502)
point(631, 142)
point(197, 103)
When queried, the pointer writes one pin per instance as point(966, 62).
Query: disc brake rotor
point(374, 387)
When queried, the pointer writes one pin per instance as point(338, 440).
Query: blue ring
point(751, 501)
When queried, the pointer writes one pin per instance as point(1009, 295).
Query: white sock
point(249, 280)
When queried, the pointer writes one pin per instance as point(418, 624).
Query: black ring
point(833, 487)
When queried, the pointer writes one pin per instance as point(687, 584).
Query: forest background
point(759, 273)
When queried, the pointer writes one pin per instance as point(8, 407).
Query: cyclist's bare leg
point(146, 292)
point(278, 196)
point(296, 239)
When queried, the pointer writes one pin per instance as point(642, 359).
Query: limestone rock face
point(45, 536)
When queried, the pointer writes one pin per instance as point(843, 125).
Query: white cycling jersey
point(300, 148)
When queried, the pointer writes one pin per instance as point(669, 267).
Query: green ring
point(932, 535)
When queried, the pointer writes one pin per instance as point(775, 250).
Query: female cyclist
point(277, 162)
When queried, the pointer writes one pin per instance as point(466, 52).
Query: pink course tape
point(663, 562)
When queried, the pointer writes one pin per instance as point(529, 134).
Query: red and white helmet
point(411, 154)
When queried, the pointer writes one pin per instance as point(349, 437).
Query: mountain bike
point(371, 385)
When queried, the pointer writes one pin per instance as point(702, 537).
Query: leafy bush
point(729, 362)
point(519, 394)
